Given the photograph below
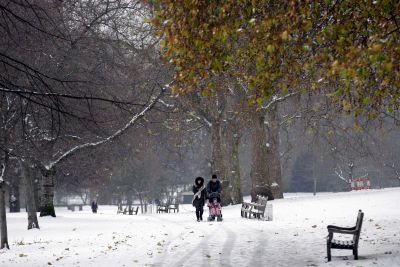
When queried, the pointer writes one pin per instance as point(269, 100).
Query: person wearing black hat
point(214, 186)
point(199, 197)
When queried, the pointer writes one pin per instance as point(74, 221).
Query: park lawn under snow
point(295, 237)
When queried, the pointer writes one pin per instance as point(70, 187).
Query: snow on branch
point(166, 104)
point(209, 124)
point(276, 99)
point(195, 129)
point(202, 118)
point(3, 169)
point(340, 175)
point(119, 132)
point(288, 118)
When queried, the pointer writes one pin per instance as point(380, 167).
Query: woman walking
point(199, 197)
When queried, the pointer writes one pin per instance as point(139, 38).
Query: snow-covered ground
point(295, 237)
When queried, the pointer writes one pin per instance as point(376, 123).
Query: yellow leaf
point(376, 47)
point(335, 64)
point(270, 48)
point(285, 36)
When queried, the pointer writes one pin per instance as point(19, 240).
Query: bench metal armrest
point(342, 231)
point(341, 228)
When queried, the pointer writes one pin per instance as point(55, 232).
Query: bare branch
point(276, 99)
point(83, 97)
point(340, 175)
point(119, 132)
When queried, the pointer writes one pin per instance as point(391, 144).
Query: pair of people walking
point(202, 192)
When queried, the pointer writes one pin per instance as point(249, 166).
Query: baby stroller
point(214, 207)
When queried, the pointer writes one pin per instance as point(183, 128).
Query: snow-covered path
point(294, 238)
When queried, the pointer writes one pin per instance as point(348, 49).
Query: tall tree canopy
point(347, 49)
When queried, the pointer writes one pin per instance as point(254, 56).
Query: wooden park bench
point(162, 208)
point(174, 207)
point(71, 207)
point(128, 210)
point(255, 209)
point(345, 244)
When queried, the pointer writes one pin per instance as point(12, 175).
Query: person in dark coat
point(214, 186)
point(94, 207)
point(199, 198)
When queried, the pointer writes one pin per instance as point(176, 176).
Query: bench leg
point(355, 253)
point(328, 251)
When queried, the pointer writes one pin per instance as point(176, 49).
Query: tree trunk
point(315, 186)
point(236, 181)
point(259, 169)
point(217, 160)
point(141, 203)
point(3, 218)
point(231, 145)
point(14, 200)
point(217, 163)
point(129, 197)
point(273, 156)
point(47, 197)
point(36, 187)
point(28, 175)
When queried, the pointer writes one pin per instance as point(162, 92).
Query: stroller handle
point(214, 195)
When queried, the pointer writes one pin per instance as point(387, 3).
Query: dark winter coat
point(199, 201)
point(214, 187)
point(94, 206)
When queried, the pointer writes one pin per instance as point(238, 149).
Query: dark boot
point(201, 213)
point(198, 213)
